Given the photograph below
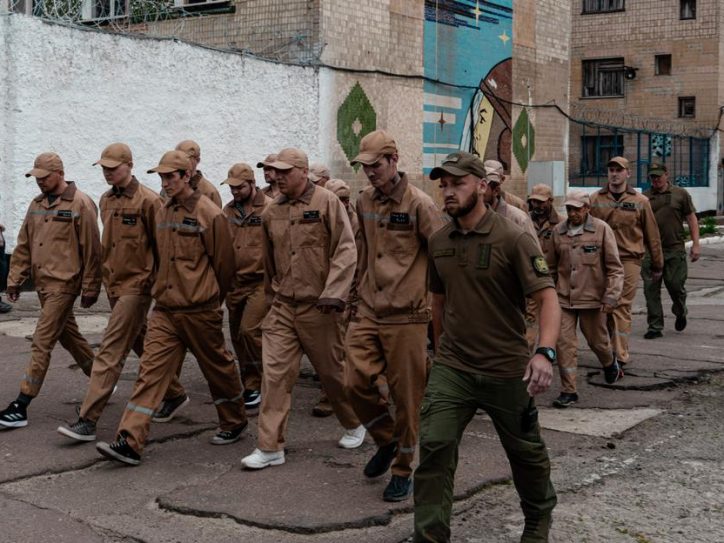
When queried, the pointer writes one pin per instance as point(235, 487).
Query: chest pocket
point(626, 215)
point(61, 225)
point(590, 254)
point(400, 234)
point(188, 245)
point(253, 231)
point(310, 230)
point(129, 225)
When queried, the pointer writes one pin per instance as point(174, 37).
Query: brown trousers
point(593, 326)
point(289, 330)
point(397, 352)
point(619, 322)
point(126, 329)
point(169, 335)
point(247, 309)
point(55, 323)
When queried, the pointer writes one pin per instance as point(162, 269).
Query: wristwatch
point(548, 352)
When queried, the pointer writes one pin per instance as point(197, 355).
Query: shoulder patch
point(540, 266)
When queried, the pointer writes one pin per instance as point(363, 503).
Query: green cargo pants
point(451, 399)
point(674, 278)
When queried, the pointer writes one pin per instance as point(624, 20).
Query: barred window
point(603, 6)
point(603, 77)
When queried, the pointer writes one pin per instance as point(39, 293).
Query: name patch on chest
point(130, 220)
point(443, 252)
point(65, 213)
point(190, 221)
point(590, 248)
point(254, 220)
point(311, 216)
point(399, 218)
point(628, 206)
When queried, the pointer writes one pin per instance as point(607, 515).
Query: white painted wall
point(73, 92)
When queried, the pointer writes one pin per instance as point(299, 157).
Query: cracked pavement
point(640, 461)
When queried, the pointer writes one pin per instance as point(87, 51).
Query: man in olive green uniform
point(388, 336)
point(59, 248)
point(482, 268)
point(128, 212)
point(246, 300)
point(632, 220)
point(672, 206)
point(196, 266)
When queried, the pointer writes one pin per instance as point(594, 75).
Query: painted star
point(477, 11)
point(442, 122)
point(504, 37)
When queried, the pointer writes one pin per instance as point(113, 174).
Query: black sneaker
point(653, 334)
point(565, 399)
point(536, 530)
point(398, 489)
point(119, 450)
point(613, 373)
point(170, 408)
point(252, 399)
point(381, 461)
point(680, 323)
point(226, 437)
point(81, 430)
point(15, 416)
point(5, 307)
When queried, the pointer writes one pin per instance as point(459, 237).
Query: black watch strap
point(548, 352)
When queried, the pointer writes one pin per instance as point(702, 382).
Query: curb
point(707, 241)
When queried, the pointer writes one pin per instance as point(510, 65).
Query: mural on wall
point(356, 117)
point(468, 48)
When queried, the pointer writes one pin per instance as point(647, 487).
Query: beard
point(466, 207)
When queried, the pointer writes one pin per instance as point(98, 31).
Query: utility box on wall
point(551, 173)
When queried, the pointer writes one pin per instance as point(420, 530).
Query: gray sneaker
point(81, 430)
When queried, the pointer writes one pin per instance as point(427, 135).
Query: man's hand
point(88, 301)
point(538, 374)
point(607, 309)
point(656, 274)
point(695, 252)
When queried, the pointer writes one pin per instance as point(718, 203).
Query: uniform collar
point(629, 189)
point(667, 189)
point(305, 198)
point(398, 191)
point(128, 191)
point(484, 226)
point(189, 204)
point(502, 207)
point(259, 200)
point(196, 179)
point(587, 226)
point(68, 194)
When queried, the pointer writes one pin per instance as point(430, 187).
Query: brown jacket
point(248, 240)
point(129, 239)
point(196, 255)
point(517, 216)
point(206, 187)
point(589, 271)
point(59, 246)
point(633, 223)
point(545, 235)
point(514, 200)
point(309, 249)
point(392, 254)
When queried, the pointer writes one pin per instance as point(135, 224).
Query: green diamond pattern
point(523, 140)
point(355, 119)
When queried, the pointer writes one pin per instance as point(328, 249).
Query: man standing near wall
point(629, 215)
point(482, 268)
point(246, 300)
point(196, 266)
point(388, 335)
point(59, 248)
point(198, 181)
point(128, 212)
point(672, 206)
point(589, 280)
point(271, 190)
point(309, 263)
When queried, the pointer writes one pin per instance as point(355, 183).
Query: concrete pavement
point(187, 490)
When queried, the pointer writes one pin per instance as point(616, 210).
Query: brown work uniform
point(129, 269)
point(195, 270)
point(59, 248)
point(589, 274)
point(205, 187)
point(517, 216)
point(246, 300)
point(514, 200)
point(388, 337)
point(309, 258)
point(634, 226)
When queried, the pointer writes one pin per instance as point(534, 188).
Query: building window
point(101, 10)
point(687, 107)
point(602, 6)
point(603, 77)
point(596, 151)
point(687, 9)
point(29, 7)
point(199, 4)
point(662, 65)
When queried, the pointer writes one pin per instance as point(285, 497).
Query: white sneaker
point(353, 438)
point(263, 459)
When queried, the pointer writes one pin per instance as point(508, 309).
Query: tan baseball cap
point(172, 161)
point(620, 161)
point(374, 146)
point(339, 187)
point(268, 160)
point(289, 158)
point(495, 167)
point(459, 164)
point(114, 155)
point(318, 171)
point(45, 164)
point(190, 147)
point(541, 192)
point(577, 198)
point(239, 174)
